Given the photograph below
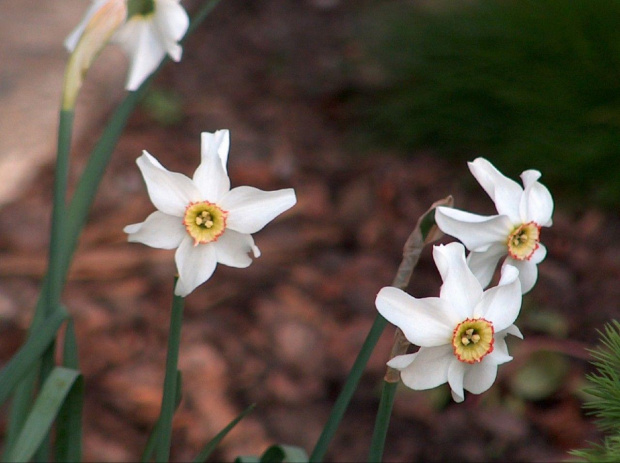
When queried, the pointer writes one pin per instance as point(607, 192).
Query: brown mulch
point(284, 332)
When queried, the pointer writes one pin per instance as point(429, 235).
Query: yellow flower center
point(523, 241)
point(204, 222)
point(473, 339)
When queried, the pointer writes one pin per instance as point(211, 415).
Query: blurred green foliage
point(527, 84)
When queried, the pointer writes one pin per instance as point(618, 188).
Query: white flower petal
point(483, 264)
point(429, 368)
point(528, 272)
point(211, 177)
point(424, 322)
point(500, 353)
point(476, 232)
point(501, 304)
point(536, 203)
point(170, 192)
point(401, 362)
point(456, 372)
point(460, 287)
point(479, 377)
point(505, 192)
point(216, 144)
point(140, 41)
point(232, 249)
point(539, 255)
point(74, 37)
point(171, 22)
point(250, 209)
point(159, 230)
point(195, 264)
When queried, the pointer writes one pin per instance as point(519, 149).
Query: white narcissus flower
point(461, 333)
point(153, 29)
point(514, 232)
point(202, 217)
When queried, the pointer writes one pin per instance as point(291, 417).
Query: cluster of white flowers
point(462, 333)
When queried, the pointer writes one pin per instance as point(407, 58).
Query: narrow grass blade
point(29, 354)
point(212, 444)
point(69, 423)
point(382, 422)
point(53, 393)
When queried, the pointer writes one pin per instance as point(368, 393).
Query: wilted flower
point(153, 29)
point(202, 217)
point(514, 232)
point(461, 333)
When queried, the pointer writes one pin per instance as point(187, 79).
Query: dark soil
point(284, 332)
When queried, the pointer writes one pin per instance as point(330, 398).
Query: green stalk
point(65, 234)
point(348, 390)
point(425, 232)
point(61, 179)
point(382, 422)
point(168, 402)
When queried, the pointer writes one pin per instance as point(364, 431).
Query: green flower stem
point(349, 388)
point(424, 233)
point(382, 421)
point(61, 179)
point(168, 403)
point(65, 234)
point(49, 301)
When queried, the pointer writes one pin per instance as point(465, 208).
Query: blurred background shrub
point(528, 84)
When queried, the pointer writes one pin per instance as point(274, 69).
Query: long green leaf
point(28, 355)
point(212, 444)
point(69, 424)
point(53, 393)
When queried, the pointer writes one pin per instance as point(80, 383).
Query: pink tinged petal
point(74, 37)
point(528, 272)
point(159, 230)
point(139, 39)
point(195, 264)
point(429, 367)
point(504, 192)
point(460, 289)
point(210, 176)
point(501, 304)
point(170, 192)
point(477, 232)
point(483, 264)
point(250, 209)
point(536, 203)
point(479, 377)
point(425, 322)
point(171, 22)
point(233, 248)
point(456, 372)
